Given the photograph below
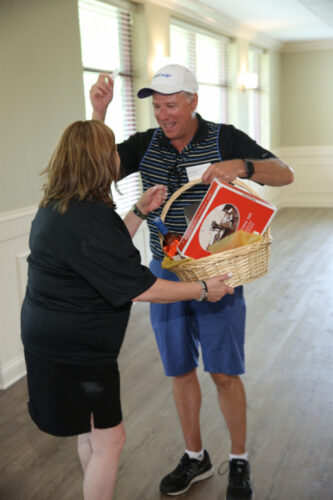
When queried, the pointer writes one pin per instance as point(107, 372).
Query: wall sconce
point(247, 81)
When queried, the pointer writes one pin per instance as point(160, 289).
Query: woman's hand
point(217, 288)
point(101, 94)
point(151, 199)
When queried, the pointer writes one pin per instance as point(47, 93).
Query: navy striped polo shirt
point(159, 162)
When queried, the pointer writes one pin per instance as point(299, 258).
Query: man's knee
point(225, 382)
point(186, 377)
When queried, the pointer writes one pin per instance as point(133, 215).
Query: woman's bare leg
point(84, 449)
point(100, 471)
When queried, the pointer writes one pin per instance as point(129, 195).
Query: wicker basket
point(246, 263)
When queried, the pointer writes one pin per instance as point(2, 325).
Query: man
point(166, 155)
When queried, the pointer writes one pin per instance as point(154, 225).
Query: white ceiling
point(282, 20)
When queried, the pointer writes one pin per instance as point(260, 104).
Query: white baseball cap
point(171, 79)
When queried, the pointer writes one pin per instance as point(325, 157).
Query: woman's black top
point(83, 271)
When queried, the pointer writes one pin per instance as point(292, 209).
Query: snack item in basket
point(170, 240)
point(224, 210)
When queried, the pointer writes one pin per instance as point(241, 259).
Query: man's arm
point(235, 146)
point(133, 149)
point(270, 171)
point(101, 94)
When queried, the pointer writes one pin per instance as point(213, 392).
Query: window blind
point(105, 31)
point(206, 55)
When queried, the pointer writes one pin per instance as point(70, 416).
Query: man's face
point(174, 114)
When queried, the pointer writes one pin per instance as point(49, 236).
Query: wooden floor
point(289, 385)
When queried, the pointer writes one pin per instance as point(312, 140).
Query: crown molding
point(308, 46)
point(206, 16)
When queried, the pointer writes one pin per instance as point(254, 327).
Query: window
point(205, 54)
point(255, 57)
point(106, 45)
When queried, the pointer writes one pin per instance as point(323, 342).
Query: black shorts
point(63, 397)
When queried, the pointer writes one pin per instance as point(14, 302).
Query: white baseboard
point(12, 372)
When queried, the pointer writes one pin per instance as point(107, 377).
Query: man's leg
point(178, 345)
point(187, 394)
point(193, 466)
point(221, 328)
point(232, 400)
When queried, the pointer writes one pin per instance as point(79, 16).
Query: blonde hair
point(83, 165)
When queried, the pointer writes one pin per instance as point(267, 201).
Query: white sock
point(242, 456)
point(197, 455)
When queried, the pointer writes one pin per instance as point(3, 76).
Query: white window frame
point(221, 85)
point(255, 100)
point(130, 187)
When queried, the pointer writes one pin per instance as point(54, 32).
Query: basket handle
point(187, 186)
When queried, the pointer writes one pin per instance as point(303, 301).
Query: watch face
point(138, 212)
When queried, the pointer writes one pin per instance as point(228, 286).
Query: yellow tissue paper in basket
point(234, 240)
point(168, 263)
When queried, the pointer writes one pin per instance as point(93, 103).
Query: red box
point(224, 209)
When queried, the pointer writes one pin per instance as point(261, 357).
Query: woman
point(84, 273)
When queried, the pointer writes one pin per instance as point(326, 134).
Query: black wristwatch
point(249, 169)
point(138, 212)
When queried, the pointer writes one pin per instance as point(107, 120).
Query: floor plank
point(289, 383)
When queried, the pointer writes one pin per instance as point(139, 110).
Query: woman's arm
point(163, 291)
point(151, 199)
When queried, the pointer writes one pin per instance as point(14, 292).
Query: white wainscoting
point(14, 249)
point(313, 186)
point(14, 234)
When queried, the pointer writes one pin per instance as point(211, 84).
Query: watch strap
point(138, 212)
point(249, 166)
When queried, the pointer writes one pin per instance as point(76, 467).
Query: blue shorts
point(181, 327)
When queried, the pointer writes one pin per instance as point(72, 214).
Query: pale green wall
point(41, 88)
point(41, 91)
point(307, 97)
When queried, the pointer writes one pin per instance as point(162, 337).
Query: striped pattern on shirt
point(163, 164)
